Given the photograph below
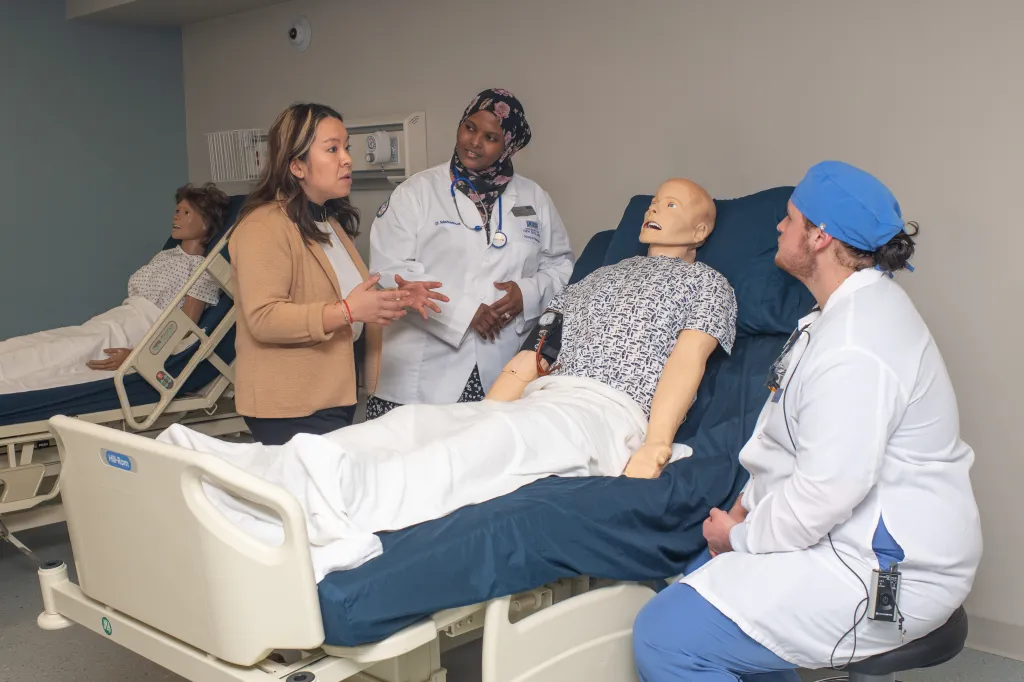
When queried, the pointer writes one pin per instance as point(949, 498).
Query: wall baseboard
point(994, 637)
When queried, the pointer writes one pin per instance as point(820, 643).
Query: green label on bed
point(107, 628)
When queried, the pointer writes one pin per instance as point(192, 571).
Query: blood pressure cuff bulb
point(549, 332)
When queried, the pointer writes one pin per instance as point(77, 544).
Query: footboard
point(148, 543)
point(588, 637)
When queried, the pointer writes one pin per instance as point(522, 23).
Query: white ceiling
point(167, 12)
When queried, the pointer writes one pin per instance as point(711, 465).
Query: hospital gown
point(421, 462)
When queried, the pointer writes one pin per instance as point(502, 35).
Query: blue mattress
point(100, 396)
point(614, 528)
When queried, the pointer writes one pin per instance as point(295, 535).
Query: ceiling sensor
point(299, 34)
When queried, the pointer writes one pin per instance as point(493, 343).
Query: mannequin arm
point(510, 384)
point(672, 399)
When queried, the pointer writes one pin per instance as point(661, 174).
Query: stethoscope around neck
point(498, 239)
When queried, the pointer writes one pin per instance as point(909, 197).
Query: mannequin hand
point(649, 460)
point(716, 531)
point(115, 358)
point(376, 307)
point(420, 295)
point(485, 322)
point(510, 305)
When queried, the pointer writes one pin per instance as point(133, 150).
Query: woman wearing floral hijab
point(495, 242)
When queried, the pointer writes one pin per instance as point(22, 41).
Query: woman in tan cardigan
point(303, 292)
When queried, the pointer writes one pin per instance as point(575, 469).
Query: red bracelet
point(349, 311)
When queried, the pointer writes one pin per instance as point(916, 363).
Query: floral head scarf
point(491, 182)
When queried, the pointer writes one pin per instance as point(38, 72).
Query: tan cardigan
point(286, 365)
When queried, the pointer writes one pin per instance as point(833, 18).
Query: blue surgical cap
point(850, 204)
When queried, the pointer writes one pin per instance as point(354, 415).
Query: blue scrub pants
point(680, 636)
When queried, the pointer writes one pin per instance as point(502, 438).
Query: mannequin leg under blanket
point(57, 357)
point(421, 462)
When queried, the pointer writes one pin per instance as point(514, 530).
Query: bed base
point(164, 574)
point(588, 636)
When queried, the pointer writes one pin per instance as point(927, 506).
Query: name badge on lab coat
point(531, 229)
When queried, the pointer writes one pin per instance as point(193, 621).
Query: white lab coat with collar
point(418, 234)
point(874, 418)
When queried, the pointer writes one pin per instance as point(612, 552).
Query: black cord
point(785, 391)
point(856, 620)
point(867, 597)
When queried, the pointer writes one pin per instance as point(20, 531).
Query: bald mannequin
point(679, 220)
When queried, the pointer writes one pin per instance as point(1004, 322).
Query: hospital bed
point(180, 372)
point(552, 574)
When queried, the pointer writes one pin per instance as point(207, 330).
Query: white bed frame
point(164, 574)
point(29, 462)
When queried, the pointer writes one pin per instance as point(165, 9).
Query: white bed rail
point(163, 339)
point(148, 544)
point(588, 637)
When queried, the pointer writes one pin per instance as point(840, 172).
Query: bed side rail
point(165, 337)
point(148, 543)
point(588, 637)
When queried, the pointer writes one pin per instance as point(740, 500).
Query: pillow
point(741, 247)
point(592, 257)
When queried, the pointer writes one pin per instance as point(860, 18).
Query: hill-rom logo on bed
point(165, 334)
point(119, 461)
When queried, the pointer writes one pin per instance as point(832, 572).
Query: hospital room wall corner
point(921, 99)
point(92, 134)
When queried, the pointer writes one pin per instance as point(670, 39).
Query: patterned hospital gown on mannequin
point(621, 322)
point(160, 280)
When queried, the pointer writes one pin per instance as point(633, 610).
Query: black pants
point(473, 392)
point(280, 431)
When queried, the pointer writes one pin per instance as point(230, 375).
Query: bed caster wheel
point(301, 677)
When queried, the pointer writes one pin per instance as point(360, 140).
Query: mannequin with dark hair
point(75, 354)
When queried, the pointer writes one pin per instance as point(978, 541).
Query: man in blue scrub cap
point(856, 465)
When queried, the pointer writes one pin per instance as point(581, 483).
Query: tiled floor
point(28, 653)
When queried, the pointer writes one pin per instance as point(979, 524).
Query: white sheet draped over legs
point(57, 357)
point(421, 462)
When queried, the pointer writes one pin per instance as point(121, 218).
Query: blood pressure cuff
point(551, 325)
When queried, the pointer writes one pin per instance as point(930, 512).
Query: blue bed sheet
point(615, 528)
point(100, 396)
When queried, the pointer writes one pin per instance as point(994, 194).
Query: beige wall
point(739, 96)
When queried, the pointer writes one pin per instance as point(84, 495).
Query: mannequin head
point(679, 220)
point(199, 215)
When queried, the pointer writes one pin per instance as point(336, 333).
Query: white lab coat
point(873, 414)
point(417, 234)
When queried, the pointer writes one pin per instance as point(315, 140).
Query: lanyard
point(499, 239)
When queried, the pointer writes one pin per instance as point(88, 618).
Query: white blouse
point(344, 269)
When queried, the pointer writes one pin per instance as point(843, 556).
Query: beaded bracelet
point(348, 311)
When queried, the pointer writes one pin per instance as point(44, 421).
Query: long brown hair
point(290, 138)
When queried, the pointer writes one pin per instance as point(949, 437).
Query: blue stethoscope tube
point(499, 239)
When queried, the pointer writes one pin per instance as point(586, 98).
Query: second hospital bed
point(553, 573)
point(149, 392)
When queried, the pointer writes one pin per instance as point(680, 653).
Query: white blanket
point(421, 462)
point(57, 357)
